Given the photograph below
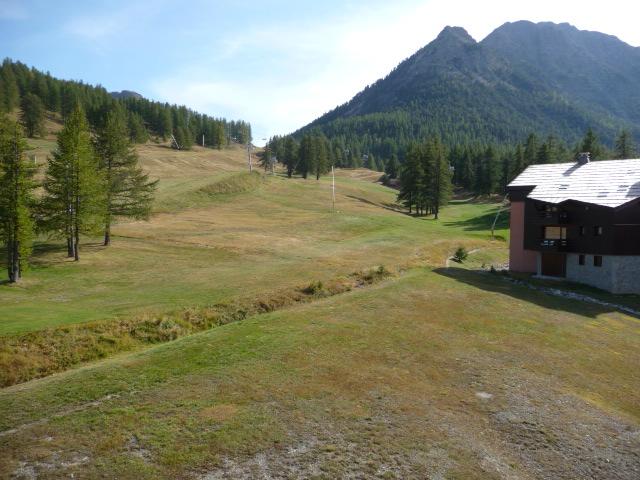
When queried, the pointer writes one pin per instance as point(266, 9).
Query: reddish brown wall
point(520, 260)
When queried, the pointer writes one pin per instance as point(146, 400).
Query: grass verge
point(41, 353)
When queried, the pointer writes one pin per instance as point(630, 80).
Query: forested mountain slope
point(523, 78)
point(19, 82)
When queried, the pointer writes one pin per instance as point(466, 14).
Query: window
point(583, 231)
point(581, 260)
point(555, 233)
point(597, 231)
point(597, 260)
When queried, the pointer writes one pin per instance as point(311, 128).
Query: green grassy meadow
point(219, 233)
point(431, 372)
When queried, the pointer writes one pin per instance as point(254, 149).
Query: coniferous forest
point(34, 92)
point(93, 177)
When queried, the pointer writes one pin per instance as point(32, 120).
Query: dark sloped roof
point(609, 183)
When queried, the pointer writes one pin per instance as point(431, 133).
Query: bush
point(315, 288)
point(460, 255)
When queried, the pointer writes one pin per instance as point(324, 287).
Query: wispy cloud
point(104, 24)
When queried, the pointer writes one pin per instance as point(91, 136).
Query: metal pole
point(249, 153)
point(203, 139)
point(495, 221)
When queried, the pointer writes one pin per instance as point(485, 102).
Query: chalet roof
point(610, 183)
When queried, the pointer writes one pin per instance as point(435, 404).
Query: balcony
point(554, 218)
point(554, 245)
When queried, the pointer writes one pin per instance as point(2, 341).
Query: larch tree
point(128, 191)
point(10, 86)
point(439, 183)
point(73, 202)
point(32, 115)
point(411, 176)
point(16, 200)
point(625, 147)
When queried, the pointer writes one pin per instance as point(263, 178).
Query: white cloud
point(307, 69)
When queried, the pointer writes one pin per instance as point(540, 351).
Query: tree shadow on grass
point(482, 222)
point(387, 206)
point(497, 284)
point(51, 253)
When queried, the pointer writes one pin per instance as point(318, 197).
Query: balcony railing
point(558, 218)
point(554, 245)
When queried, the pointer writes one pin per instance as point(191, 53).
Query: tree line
point(427, 171)
point(34, 93)
point(92, 179)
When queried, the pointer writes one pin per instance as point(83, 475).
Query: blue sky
point(278, 64)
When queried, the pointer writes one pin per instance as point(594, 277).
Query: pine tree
point(530, 150)
point(468, 173)
point(128, 191)
point(290, 156)
point(137, 131)
point(624, 148)
point(306, 156)
point(3, 95)
point(591, 144)
point(68, 100)
point(16, 200)
point(54, 100)
point(266, 157)
point(320, 157)
point(392, 167)
point(411, 176)
point(10, 85)
point(32, 115)
point(441, 187)
point(73, 202)
point(518, 163)
point(166, 124)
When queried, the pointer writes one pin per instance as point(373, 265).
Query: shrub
point(460, 255)
point(314, 288)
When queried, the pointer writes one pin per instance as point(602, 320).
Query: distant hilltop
point(124, 94)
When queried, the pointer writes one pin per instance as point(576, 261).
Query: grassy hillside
point(219, 232)
point(435, 374)
point(429, 372)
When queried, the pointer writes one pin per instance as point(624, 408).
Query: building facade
point(578, 221)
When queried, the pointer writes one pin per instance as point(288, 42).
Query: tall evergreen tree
point(166, 124)
point(531, 150)
point(10, 86)
point(320, 157)
point(290, 156)
point(518, 165)
point(137, 130)
point(441, 181)
point(591, 144)
point(392, 167)
point(32, 115)
point(128, 191)
point(625, 147)
point(306, 156)
point(73, 202)
point(16, 200)
point(411, 177)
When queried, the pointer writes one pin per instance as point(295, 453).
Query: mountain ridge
point(524, 77)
